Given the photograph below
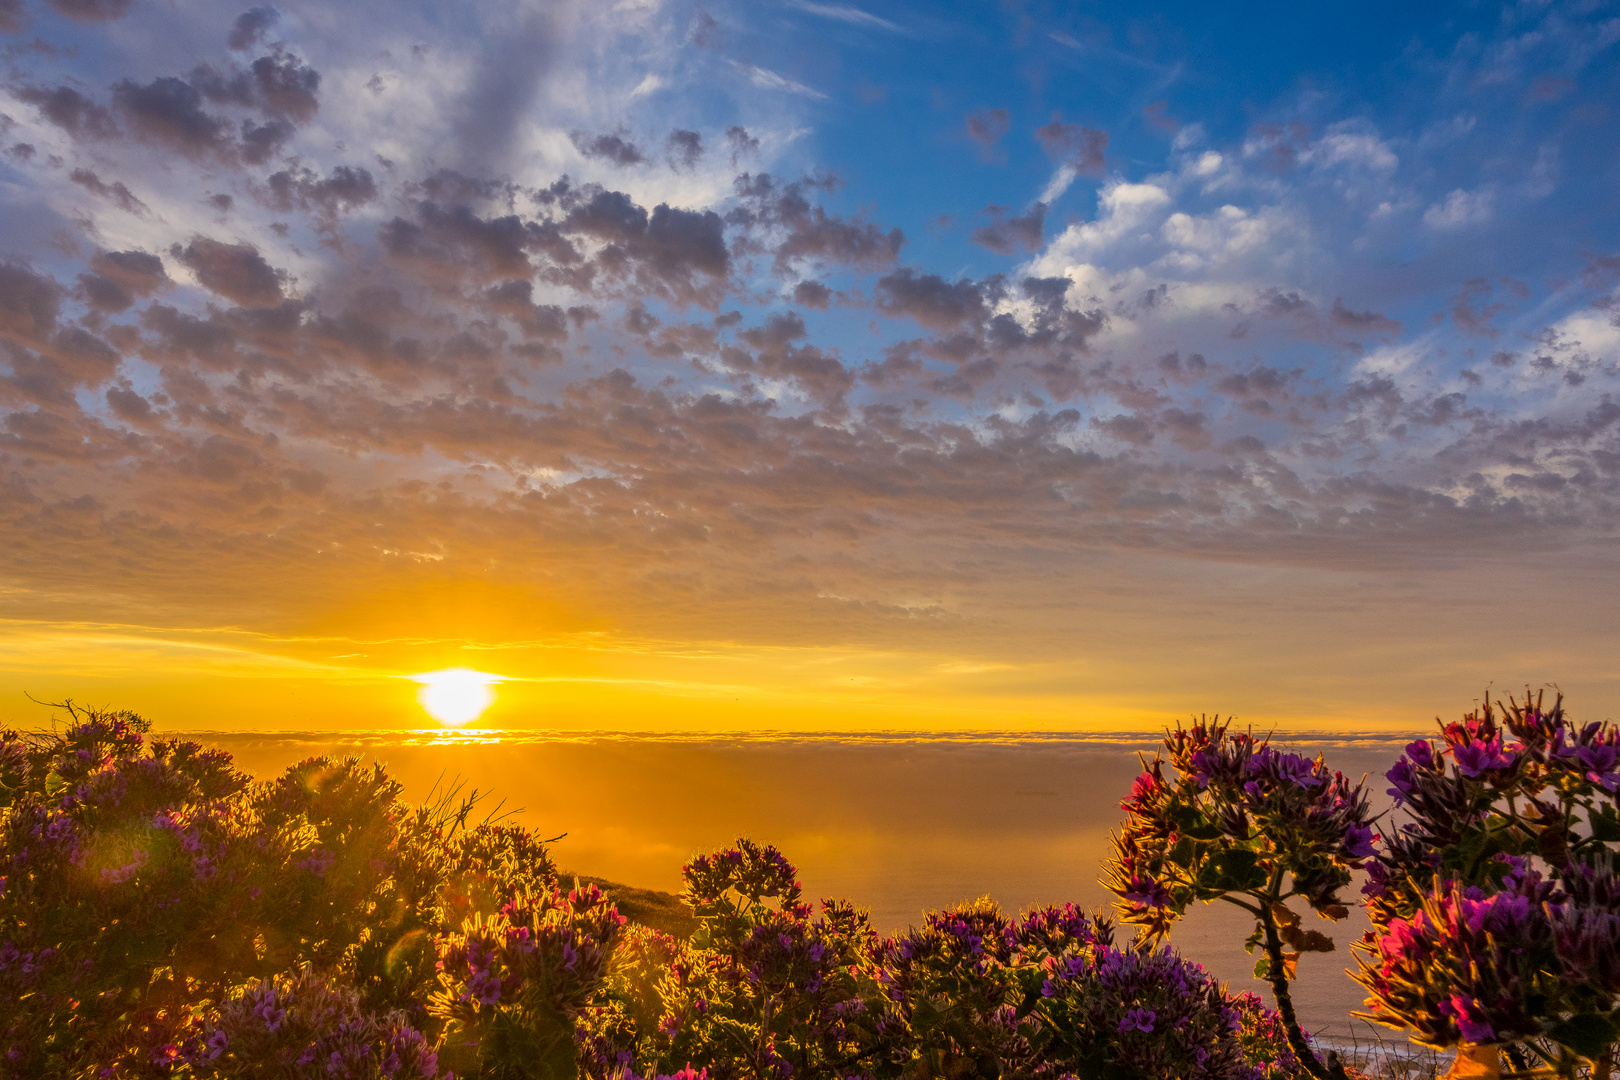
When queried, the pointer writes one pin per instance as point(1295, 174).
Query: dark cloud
point(128, 405)
point(987, 126)
point(513, 62)
point(261, 142)
point(71, 111)
point(1362, 322)
point(704, 31)
point(1157, 116)
point(615, 148)
point(286, 86)
point(169, 111)
point(235, 271)
point(250, 28)
point(1007, 235)
point(458, 238)
point(812, 294)
point(1127, 428)
point(1080, 148)
point(740, 143)
point(29, 303)
point(1471, 316)
point(91, 11)
point(344, 188)
point(930, 299)
point(810, 232)
point(683, 149)
point(13, 16)
point(115, 192)
point(118, 277)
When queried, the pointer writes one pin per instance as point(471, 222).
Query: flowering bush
point(304, 1027)
point(163, 915)
point(1049, 995)
point(143, 883)
point(1248, 824)
point(762, 989)
point(1495, 906)
point(513, 983)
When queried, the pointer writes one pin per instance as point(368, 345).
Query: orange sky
point(1119, 642)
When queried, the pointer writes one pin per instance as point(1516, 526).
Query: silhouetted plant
point(1248, 824)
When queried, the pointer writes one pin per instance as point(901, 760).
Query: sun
point(456, 696)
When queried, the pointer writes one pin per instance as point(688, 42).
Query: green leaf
point(1606, 825)
point(1234, 869)
point(1589, 1034)
point(54, 783)
point(1262, 967)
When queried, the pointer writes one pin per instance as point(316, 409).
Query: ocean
point(899, 823)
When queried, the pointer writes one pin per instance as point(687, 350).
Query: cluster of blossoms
point(1050, 995)
point(764, 988)
point(1246, 823)
point(512, 983)
point(1495, 905)
point(305, 1027)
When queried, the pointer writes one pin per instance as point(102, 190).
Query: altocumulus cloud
point(259, 311)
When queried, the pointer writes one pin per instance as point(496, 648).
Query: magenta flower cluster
point(1495, 905)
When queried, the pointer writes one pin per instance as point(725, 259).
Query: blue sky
point(820, 325)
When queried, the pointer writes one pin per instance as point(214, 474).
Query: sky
point(809, 365)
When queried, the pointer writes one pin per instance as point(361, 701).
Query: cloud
point(91, 11)
point(250, 28)
point(116, 192)
point(683, 149)
point(844, 13)
point(740, 143)
point(987, 126)
point(1461, 209)
point(235, 271)
point(696, 400)
point(615, 148)
point(651, 83)
point(1079, 148)
point(770, 80)
point(1005, 235)
point(71, 111)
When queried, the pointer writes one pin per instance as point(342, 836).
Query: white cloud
point(770, 80)
point(1356, 150)
point(1058, 184)
point(1461, 208)
point(843, 13)
point(649, 85)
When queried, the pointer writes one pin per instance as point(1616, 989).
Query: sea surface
point(901, 824)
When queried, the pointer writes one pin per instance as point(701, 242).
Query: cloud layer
point(300, 306)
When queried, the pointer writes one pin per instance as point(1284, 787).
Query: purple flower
point(1482, 756)
point(1358, 841)
point(1137, 1020)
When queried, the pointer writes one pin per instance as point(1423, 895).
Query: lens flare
point(456, 696)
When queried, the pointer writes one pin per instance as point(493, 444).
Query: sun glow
point(456, 696)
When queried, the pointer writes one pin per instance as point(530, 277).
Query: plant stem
point(1285, 1003)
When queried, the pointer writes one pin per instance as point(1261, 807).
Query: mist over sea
point(898, 823)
